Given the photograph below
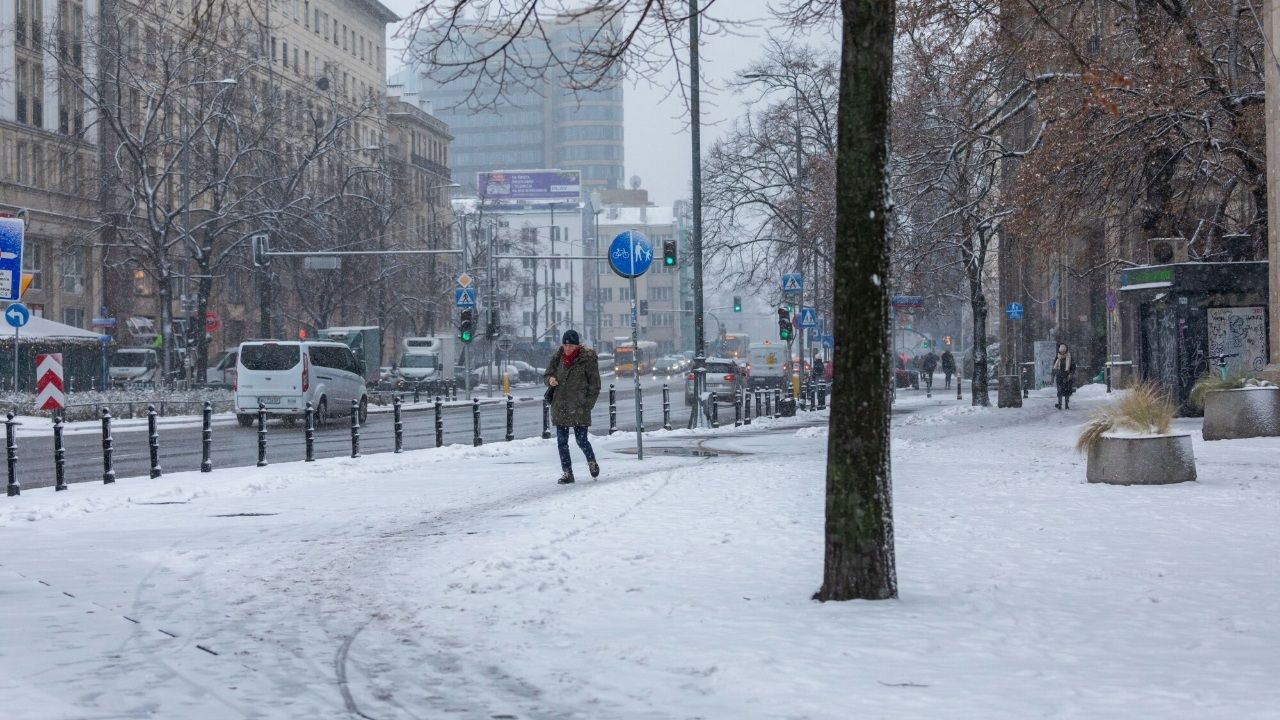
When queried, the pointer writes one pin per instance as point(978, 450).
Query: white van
point(284, 376)
point(766, 363)
point(130, 365)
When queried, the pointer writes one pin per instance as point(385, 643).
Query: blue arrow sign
point(464, 298)
point(11, 236)
point(630, 254)
point(792, 282)
point(17, 315)
point(808, 318)
point(1014, 311)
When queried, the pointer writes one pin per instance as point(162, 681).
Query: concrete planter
point(1142, 460)
point(1243, 413)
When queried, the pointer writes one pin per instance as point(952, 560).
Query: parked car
point(492, 374)
point(528, 373)
point(286, 375)
point(725, 377)
point(222, 368)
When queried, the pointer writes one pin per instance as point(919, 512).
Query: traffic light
point(467, 326)
point(784, 324)
point(493, 329)
point(260, 250)
point(669, 253)
point(737, 303)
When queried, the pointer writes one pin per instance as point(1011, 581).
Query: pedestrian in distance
point(573, 385)
point(1063, 376)
point(948, 365)
point(928, 364)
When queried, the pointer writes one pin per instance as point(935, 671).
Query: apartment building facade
point(48, 155)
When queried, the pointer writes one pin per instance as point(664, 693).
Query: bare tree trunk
point(978, 303)
point(859, 562)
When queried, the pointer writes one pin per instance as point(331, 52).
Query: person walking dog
point(1063, 376)
point(573, 385)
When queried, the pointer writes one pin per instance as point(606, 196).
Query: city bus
point(734, 345)
point(628, 359)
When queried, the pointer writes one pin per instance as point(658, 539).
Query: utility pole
point(695, 117)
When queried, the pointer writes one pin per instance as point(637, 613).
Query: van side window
point(352, 364)
point(329, 357)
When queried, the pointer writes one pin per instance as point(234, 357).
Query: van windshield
point(269, 357)
point(418, 361)
point(131, 358)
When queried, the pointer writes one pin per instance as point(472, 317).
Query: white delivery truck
point(428, 358)
point(766, 363)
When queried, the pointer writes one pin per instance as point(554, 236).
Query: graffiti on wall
point(1239, 331)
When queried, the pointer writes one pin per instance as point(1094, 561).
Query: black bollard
point(309, 432)
point(262, 435)
point(759, 402)
point(822, 396)
point(715, 411)
point(802, 401)
point(666, 407)
point(59, 456)
point(206, 437)
point(417, 387)
point(476, 440)
point(546, 419)
point(511, 419)
point(737, 409)
point(777, 403)
point(355, 428)
point(11, 452)
point(439, 422)
point(454, 386)
point(108, 448)
point(397, 423)
point(613, 410)
point(746, 407)
point(153, 441)
point(768, 402)
point(959, 382)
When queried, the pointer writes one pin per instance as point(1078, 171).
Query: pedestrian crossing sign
point(792, 282)
point(808, 318)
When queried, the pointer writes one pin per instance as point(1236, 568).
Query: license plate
point(269, 400)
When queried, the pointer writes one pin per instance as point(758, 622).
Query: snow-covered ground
point(463, 582)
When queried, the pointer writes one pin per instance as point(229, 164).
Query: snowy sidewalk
point(464, 582)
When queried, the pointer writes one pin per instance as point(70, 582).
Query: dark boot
point(1058, 404)
point(594, 468)
point(1066, 401)
point(566, 478)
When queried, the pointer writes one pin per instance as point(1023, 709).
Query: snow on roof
point(45, 329)
point(613, 217)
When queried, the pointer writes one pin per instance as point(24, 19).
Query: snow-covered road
point(463, 583)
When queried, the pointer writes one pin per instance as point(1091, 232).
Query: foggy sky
point(657, 140)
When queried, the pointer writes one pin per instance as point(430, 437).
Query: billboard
point(513, 186)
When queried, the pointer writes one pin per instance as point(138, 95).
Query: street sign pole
point(635, 358)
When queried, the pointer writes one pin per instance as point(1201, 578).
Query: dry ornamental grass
point(1145, 409)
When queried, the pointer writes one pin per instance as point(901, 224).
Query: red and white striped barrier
point(49, 393)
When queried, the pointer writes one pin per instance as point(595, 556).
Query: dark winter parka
point(948, 362)
point(579, 387)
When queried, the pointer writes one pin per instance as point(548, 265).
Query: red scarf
point(567, 358)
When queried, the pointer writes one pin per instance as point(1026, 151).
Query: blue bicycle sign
point(630, 254)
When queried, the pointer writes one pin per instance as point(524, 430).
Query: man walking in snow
point(948, 365)
point(928, 364)
point(573, 379)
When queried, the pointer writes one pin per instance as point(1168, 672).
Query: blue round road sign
point(630, 254)
point(17, 315)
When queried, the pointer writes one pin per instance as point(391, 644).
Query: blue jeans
point(562, 443)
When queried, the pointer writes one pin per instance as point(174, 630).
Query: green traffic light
point(670, 260)
point(466, 336)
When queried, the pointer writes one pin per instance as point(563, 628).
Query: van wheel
point(364, 409)
point(245, 420)
point(322, 413)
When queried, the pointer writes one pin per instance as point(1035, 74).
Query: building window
point(284, 57)
point(306, 14)
point(141, 284)
point(73, 317)
point(33, 262)
point(73, 270)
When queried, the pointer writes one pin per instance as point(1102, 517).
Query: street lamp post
point(695, 127)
